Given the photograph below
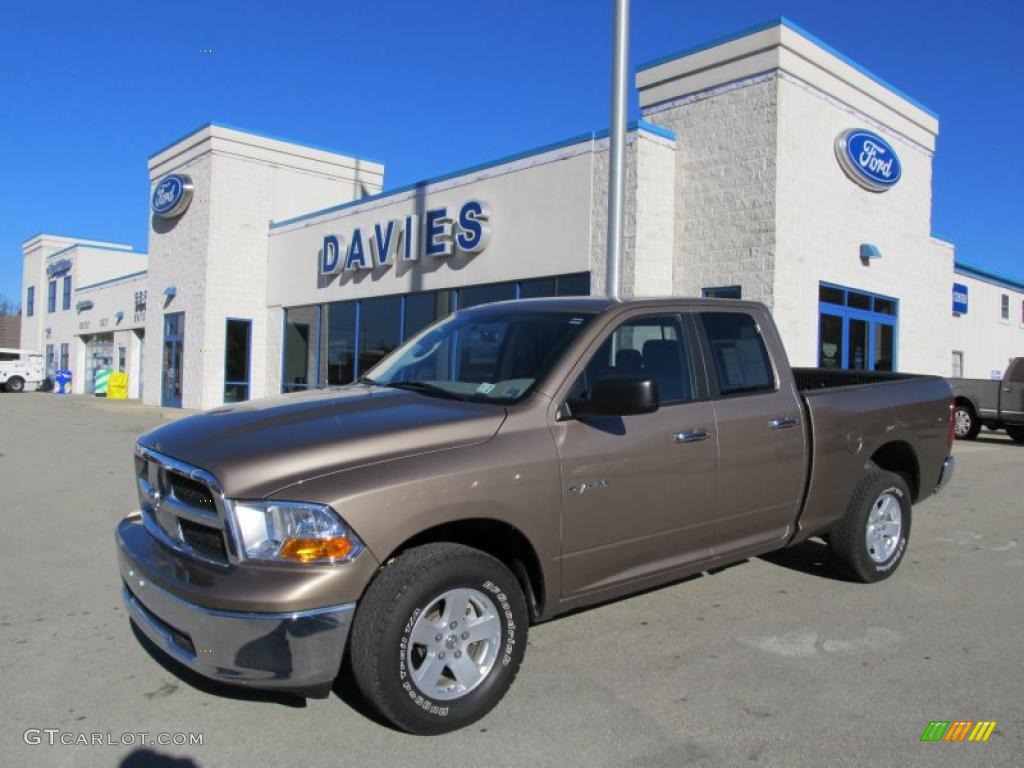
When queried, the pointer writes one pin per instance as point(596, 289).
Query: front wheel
point(871, 539)
point(1016, 434)
point(438, 637)
point(15, 384)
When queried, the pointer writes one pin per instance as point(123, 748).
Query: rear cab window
point(738, 355)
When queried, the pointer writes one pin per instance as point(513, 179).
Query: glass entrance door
point(174, 342)
point(856, 330)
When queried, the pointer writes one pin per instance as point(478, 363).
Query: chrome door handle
point(691, 436)
point(1007, 389)
point(782, 422)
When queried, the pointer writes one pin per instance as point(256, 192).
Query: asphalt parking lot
point(769, 662)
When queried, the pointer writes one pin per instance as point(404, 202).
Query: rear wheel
point(15, 384)
point(1016, 434)
point(438, 637)
point(966, 424)
point(871, 539)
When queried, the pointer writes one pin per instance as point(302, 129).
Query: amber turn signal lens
point(307, 550)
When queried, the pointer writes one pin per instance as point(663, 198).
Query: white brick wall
point(823, 217)
point(724, 224)
point(987, 341)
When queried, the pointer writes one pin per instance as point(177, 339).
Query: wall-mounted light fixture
point(869, 251)
point(118, 316)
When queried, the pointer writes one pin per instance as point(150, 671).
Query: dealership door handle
point(1007, 389)
point(691, 436)
point(784, 422)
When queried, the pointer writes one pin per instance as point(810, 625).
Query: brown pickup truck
point(506, 465)
point(994, 403)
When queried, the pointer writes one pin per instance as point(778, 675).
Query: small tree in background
point(9, 306)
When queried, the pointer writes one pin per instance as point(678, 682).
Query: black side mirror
point(618, 396)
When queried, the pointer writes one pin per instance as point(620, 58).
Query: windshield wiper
point(423, 387)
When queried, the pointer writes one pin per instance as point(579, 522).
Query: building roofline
point(111, 280)
point(635, 125)
point(125, 249)
point(785, 22)
point(268, 136)
point(987, 275)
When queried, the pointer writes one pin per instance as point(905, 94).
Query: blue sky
point(89, 90)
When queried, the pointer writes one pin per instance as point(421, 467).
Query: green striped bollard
point(101, 381)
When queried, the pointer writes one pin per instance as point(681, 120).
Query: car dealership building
point(766, 166)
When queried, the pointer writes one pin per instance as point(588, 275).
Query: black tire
point(383, 654)
point(1016, 434)
point(966, 424)
point(848, 539)
point(15, 384)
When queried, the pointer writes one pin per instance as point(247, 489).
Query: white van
point(20, 368)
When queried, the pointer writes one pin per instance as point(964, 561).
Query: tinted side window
point(1017, 372)
point(738, 353)
point(651, 347)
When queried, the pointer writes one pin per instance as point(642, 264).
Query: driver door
point(639, 492)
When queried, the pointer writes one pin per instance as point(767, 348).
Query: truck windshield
point(487, 355)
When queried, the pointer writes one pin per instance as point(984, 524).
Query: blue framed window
point(66, 298)
point(336, 343)
point(237, 360)
point(722, 292)
point(51, 297)
point(30, 301)
point(857, 330)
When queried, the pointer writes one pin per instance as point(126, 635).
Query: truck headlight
point(294, 532)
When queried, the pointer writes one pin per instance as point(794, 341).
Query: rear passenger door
point(760, 433)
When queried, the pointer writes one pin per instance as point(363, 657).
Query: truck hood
point(259, 447)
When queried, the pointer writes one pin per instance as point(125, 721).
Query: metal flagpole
point(617, 155)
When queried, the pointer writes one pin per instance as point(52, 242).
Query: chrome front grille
point(183, 507)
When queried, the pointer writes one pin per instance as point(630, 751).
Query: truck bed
point(809, 379)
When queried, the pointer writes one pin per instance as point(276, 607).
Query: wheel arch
point(900, 458)
point(497, 538)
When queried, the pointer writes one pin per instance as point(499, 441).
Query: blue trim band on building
point(213, 124)
point(641, 125)
point(988, 276)
point(117, 279)
point(783, 21)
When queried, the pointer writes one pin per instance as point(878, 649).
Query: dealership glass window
point(1004, 306)
point(318, 352)
point(741, 360)
point(722, 292)
point(422, 309)
point(51, 360)
point(99, 356)
point(573, 285)
point(237, 347)
point(64, 354)
point(65, 302)
point(338, 350)
point(958, 364)
point(856, 329)
point(301, 355)
point(51, 297)
point(30, 301)
point(378, 331)
point(485, 294)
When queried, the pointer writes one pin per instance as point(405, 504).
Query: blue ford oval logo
point(171, 195)
point(868, 159)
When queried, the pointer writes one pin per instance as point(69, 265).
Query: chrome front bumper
point(948, 466)
point(298, 652)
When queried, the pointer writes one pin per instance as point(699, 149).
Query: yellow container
point(117, 387)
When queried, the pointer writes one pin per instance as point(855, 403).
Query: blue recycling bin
point(63, 381)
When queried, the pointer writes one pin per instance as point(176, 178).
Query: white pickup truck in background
point(20, 368)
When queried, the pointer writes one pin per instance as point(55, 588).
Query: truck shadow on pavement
point(812, 557)
point(150, 758)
